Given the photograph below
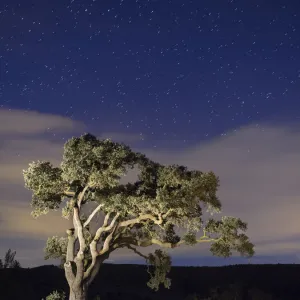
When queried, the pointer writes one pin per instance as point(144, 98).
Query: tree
point(9, 261)
point(136, 215)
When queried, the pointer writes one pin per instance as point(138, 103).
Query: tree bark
point(78, 278)
point(78, 293)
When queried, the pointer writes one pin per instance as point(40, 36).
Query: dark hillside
point(129, 281)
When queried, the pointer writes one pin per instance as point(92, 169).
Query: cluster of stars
point(166, 70)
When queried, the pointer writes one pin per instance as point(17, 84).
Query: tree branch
point(90, 276)
point(71, 244)
point(167, 213)
point(92, 215)
point(137, 252)
point(141, 218)
point(81, 195)
point(79, 231)
point(93, 244)
point(148, 242)
point(105, 227)
point(108, 239)
point(77, 222)
point(170, 245)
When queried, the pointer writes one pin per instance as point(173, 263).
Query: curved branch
point(91, 216)
point(90, 274)
point(141, 218)
point(107, 241)
point(105, 227)
point(93, 244)
point(81, 195)
point(79, 232)
point(167, 213)
point(149, 242)
point(71, 244)
point(137, 252)
point(175, 245)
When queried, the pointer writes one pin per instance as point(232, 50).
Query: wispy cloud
point(14, 121)
point(259, 170)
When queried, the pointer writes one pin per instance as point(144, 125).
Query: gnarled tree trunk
point(78, 276)
point(78, 286)
point(78, 283)
point(78, 293)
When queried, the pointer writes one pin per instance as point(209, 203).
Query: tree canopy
point(153, 210)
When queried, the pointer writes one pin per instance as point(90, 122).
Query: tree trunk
point(78, 293)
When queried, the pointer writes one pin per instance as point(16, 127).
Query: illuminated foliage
point(164, 201)
point(56, 247)
point(161, 262)
point(56, 296)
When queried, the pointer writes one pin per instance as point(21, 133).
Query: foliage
point(56, 247)
point(9, 261)
point(161, 262)
point(55, 295)
point(47, 185)
point(229, 237)
point(149, 211)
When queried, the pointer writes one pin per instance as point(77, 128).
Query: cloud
point(259, 170)
point(14, 121)
point(18, 222)
point(18, 152)
point(26, 138)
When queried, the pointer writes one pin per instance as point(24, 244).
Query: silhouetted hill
point(122, 282)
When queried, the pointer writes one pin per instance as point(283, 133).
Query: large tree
point(163, 207)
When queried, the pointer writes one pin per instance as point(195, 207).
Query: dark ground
point(124, 282)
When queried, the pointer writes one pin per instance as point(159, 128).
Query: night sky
point(214, 85)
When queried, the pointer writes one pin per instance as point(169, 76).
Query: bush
point(56, 296)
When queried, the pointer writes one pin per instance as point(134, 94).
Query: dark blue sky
point(175, 71)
